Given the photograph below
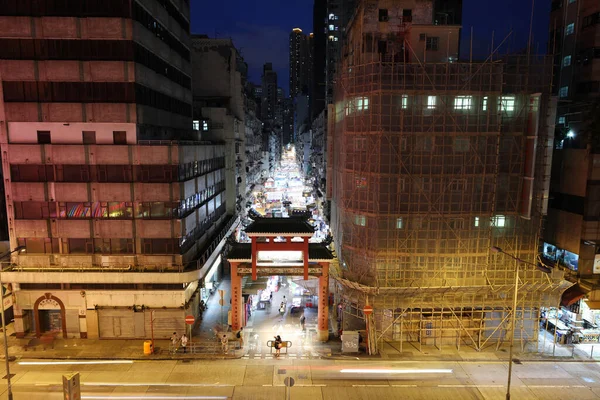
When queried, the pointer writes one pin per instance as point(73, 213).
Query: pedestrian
point(225, 344)
point(277, 345)
point(184, 342)
point(174, 341)
point(302, 321)
point(240, 337)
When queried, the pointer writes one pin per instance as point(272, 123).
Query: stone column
point(323, 315)
point(236, 298)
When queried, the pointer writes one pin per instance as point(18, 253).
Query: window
point(570, 29)
point(360, 144)
point(383, 15)
point(362, 103)
point(572, 1)
point(399, 223)
point(407, 15)
point(431, 100)
point(432, 43)
point(461, 144)
point(331, 27)
point(360, 220)
point(119, 137)
point(563, 92)
point(508, 103)
point(484, 103)
point(590, 20)
point(424, 144)
point(89, 137)
point(404, 101)
point(566, 61)
point(361, 182)
point(401, 184)
point(463, 102)
point(561, 120)
point(458, 185)
point(331, 17)
point(43, 137)
point(456, 223)
point(196, 125)
point(499, 221)
point(205, 125)
point(422, 37)
point(476, 222)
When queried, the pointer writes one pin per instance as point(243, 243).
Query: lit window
point(561, 120)
point(570, 29)
point(331, 27)
point(331, 37)
point(399, 223)
point(484, 103)
point(508, 103)
point(499, 221)
point(196, 125)
point(204, 126)
point(360, 220)
point(476, 221)
point(463, 102)
point(572, 1)
point(361, 182)
point(431, 102)
point(331, 16)
point(362, 103)
point(404, 101)
point(564, 91)
point(566, 61)
point(335, 38)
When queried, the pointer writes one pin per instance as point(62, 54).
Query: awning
point(572, 295)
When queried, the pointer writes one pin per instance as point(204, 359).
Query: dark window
point(160, 246)
point(432, 43)
point(34, 210)
point(383, 15)
point(81, 246)
point(590, 20)
point(89, 137)
point(382, 47)
point(39, 245)
point(407, 15)
point(43, 137)
point(120, 137)
point(32, 173)
point(422, 37)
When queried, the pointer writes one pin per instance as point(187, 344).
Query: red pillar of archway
point(236, 298)
point(323, 314)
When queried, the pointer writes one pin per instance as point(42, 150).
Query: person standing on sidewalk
point(303, 322)
point(174, 341)
point(225, 344)
point(240, 337)
point(184, 342)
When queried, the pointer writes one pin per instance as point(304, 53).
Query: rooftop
point(280, 226)
point(243, 252)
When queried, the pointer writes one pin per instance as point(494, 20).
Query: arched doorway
point(49, 312)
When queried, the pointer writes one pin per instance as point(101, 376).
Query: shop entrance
point(50, 321)
point(280, 249)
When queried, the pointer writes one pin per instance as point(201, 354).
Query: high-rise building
point(433, 163)
point(300, 59)
point(116, 202)
point(572, 238)
point(269, 94)
point(319, 48)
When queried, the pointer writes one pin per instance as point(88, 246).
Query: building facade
point(119, 206)
point(572, 234)
point(434, 163)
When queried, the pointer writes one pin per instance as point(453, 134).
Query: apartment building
point(572, 234)
point(434, 162)
point(118, 204)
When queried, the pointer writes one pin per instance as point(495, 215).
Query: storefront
point(211, 280)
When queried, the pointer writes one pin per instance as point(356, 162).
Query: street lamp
point(18, 249)
point(542, 268)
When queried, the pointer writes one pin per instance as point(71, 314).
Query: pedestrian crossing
point(289, 356)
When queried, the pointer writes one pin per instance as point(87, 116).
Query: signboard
point(189, 319)
point(368, 310)
point(71, 387)
point(8, 301)
point(289, 381)
point(597, 264)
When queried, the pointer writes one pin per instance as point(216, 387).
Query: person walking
point(174, 342)
point(225, 344)
point(184, 342)
point(302, 322)
point(277, 345)
point(240, 337)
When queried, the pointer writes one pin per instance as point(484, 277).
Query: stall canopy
point(572, 295)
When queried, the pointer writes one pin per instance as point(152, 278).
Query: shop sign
point(597, 264)
point(8, 301)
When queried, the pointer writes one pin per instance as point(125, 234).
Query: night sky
point(260, 29)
